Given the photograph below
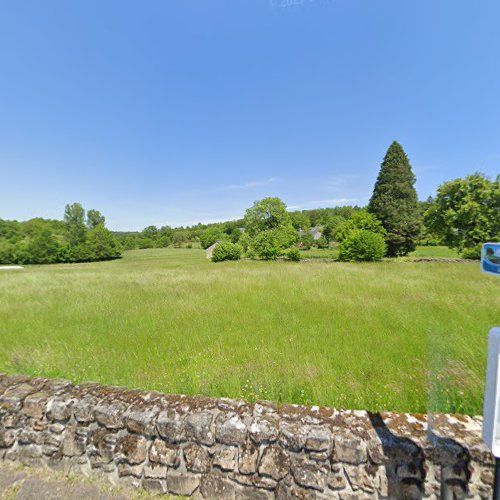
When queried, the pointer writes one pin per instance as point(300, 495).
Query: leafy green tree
point(102, 244)
point(362, 245)
point(95, 218)
point(466, 212)
point(180, 237)
point(394, 202)
point(43, 248)
point(359, 220)
point(74, 218)
point(210, 236)
point(331, 225)
point(266, 245)
point(235, 235)
point(150, 232)
point(265, 215)
point(244, 241)
point(300, 220)
point(165, 236)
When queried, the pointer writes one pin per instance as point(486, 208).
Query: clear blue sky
point(179, 111)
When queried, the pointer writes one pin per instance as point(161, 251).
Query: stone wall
point(219, 448)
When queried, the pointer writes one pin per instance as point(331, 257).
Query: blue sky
point(180, 111)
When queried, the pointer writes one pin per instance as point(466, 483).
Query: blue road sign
point(490, 258)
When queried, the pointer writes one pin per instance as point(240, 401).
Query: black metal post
point(496, 484)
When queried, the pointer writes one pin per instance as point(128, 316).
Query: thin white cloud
point(247, 185)
point(336, 202)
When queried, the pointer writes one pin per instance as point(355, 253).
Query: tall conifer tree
point(394, 202)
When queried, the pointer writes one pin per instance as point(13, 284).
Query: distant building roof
point(210, 250)
point(315, 232)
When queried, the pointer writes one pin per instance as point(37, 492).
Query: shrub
point(189, 245)
point(102, 244)
point(321, 242)
point(473, 253)
point(293, 254)
point(226, 251)
point(359, 220)
point(362, 245)
point(306, 240)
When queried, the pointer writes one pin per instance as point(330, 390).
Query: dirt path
point(23, 483)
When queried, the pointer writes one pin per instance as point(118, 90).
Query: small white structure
point(210, 250)
point(10, 268)
point(491, 410)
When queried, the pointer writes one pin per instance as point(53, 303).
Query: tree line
point(464, 214)
point(80, 237)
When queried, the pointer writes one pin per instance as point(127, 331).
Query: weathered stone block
point(155, 471)
point(318, 439)
point(199, 428)
point(337, 481)
point(248, 457)
point(155, 485)
point(218, 486)
point(182, 483)
point(264, 430)
point(141, 421)
point(58, 409)
point(12, 399)
point(197, 458)
point(125, 470)
point(133, 448)
point(34, 404)
point(163, 453)
point(7, 437)
point(230, 429)
point(361, 477)
point(110, 415)
point(225, 458)
point(255, 481)
point(74, 442)
point(309, 473)
point(274, 462)
point(292, 435)
point(350, 450)
point(83, 410)
point(170, 426)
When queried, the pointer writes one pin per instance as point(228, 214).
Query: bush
point(102, 244)
point(189, 245)
point(226, 251)
point(293, 254)
point(306, 241)
point(359, 220)
point(362, 245)
point(322, 242)
point(266, 245)
point(473, 253)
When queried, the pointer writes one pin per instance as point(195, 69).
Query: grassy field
point(338, 334)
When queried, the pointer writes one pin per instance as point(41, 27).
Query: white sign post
point(490, 263)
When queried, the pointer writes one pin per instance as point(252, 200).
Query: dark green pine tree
point(394, 202)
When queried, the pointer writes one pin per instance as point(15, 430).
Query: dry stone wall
point(219, 448)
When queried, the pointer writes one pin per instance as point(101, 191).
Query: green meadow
point(395, 335)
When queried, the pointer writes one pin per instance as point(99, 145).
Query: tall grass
point(337, 334)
